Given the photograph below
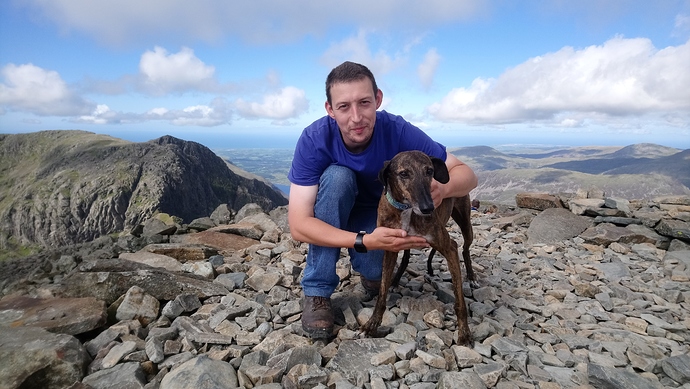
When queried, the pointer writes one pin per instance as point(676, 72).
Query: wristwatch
point(359, 242)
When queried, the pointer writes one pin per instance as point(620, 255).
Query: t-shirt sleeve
point(305, 166)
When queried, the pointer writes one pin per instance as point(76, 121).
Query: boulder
point(201, 372)
point(128, 375)
point(555, 225)
point(676, 229)
point(35, 358)
point(112, 282)
point(154, 260)
point(70, 316)
point(538, 201)
point(219, 238)
point(182, 252)
point(613, 378)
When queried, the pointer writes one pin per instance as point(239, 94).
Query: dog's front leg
point(451, 254)
point(372, 325)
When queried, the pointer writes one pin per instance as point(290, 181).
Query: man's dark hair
point(348, 72)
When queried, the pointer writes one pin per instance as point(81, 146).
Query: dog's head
point(407, 177)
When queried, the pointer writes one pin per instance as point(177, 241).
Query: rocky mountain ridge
point(66, 187)
point(581, 292)
point(640, 171)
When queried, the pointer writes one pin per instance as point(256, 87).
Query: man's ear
point(329, 109)
point(383, 174)
point(440, 170)
point(379, 98)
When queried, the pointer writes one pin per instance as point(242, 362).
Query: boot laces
point(321, 303)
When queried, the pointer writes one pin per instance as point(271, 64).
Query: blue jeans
point(335, 205)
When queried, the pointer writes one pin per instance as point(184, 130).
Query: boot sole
point(318, 333)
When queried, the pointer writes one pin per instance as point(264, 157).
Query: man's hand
point(462, 181)
point(437, 192)
point(390, 239)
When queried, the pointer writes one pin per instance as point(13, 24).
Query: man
point(334, 189)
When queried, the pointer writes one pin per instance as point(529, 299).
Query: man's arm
point(462, 181)
point(304, 227)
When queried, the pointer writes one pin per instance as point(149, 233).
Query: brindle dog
point(406, 203)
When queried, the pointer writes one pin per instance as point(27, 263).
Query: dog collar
point(395, 203)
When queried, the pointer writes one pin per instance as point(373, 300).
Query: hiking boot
point(371, 287)
point(317, 317)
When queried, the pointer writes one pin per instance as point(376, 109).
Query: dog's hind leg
point(430, 269)
point(462, 216)
point(406, 260)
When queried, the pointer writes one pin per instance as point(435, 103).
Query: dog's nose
point(427, 210)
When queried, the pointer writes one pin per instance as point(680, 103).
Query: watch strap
point(359, 242)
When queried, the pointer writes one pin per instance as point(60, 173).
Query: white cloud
point(123, 22)
point(290, 102)
point(101, 115)
point(163, 73)
point(158, 111)
point(427, 69)
point(682, 26)
point(356, 48)
point(217, 113)
point(198, 115)
point(42, 92)
point(621, 78)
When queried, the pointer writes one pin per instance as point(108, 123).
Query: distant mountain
point(569, 153)
point(644, 150)
point(676, 166)
point(65, 187)
point(599, 165)
point(636, 172)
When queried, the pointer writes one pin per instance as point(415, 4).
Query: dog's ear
point(440, 170)
point(383, 174)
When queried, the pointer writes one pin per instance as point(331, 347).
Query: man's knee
point(339, 179)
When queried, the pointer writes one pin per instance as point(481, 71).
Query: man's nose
point(355, 114)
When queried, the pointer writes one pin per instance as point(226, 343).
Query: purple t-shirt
point(321, 145)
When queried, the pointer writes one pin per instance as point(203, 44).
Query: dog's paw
point(466, 342)
point(370, 327)
point(464, 335)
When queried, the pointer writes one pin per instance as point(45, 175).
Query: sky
point(252, 73)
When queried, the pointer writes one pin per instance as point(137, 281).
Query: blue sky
point(469, 72)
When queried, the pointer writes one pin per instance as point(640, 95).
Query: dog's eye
point(404, 174)
point(429, 172)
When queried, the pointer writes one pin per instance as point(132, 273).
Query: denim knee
point(336, 195)
point(340, 180)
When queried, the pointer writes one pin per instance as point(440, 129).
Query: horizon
point(282, 140)
point(469, 72)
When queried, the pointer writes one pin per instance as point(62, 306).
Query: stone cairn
point(574, 291)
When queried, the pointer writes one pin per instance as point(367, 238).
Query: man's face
point(353, 106)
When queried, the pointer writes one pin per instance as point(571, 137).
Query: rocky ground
point(573, 293)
